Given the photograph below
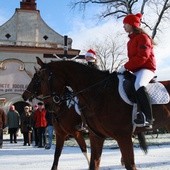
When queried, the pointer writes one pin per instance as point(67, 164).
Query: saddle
point(157, 91)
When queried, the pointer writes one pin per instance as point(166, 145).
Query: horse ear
point(36, 69)
point(40, 62)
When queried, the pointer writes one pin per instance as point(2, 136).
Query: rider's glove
point(121, 69)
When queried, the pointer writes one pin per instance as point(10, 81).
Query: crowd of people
point(35, 123)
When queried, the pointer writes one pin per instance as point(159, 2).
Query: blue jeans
point(50, 135)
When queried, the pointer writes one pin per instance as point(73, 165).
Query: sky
point(85, 28)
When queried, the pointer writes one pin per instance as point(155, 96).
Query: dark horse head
point(52, 102)
point(33, 90)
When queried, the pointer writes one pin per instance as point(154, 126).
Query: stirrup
point(140, 120)
point(148, 125)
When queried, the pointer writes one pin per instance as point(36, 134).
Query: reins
point(57, 99)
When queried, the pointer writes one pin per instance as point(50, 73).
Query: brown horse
point(64, 122)
point(106, 114)
point(34, 90)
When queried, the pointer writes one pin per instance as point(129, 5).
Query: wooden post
point(65, 46)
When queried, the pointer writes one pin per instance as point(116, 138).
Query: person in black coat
point(26, 125)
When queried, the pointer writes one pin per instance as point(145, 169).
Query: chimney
point(28, 5)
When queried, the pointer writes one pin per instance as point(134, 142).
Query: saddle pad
point(157, 92)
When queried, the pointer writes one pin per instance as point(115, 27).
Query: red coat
point(140, 53)
point(40, 118)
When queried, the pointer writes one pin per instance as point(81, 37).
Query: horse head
point(55, 101)
point(33, 90)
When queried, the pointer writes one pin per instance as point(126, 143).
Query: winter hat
point(90, 55)
point(40, 104)
point(134, 20)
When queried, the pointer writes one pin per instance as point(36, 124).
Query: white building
point(23, 37)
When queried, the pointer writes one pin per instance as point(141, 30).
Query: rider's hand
point(121, 69)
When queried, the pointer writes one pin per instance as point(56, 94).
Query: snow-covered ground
point(19, 157)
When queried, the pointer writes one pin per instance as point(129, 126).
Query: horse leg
point(167, 124)
point(96, 151)
point(167, 127)
point(82, 144)
point(126, 147)
point(58, 149)
point(142, 144)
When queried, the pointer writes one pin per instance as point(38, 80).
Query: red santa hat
point(91, 53)
point(134, 20)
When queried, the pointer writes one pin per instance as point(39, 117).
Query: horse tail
point(142, 142)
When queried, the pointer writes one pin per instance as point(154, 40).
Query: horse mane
point(78, 64)
point(91, 74)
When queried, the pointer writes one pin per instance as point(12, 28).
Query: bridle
point(58, 99)
point(35, 89)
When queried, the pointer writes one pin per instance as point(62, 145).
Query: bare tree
point(120, 8)
point(110, 52)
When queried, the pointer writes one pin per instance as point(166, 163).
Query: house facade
point(23, 37)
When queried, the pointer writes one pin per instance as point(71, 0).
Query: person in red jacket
point(142, 63)
point(91, 58)
point(40, 124)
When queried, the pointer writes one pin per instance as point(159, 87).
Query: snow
point(19, 157)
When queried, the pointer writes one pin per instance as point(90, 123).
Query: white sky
point(84, 30)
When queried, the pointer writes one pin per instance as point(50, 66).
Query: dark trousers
point(41, 136)
point(13, 134)
point(35, 136)
point(27, 138)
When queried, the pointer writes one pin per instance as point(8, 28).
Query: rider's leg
point(144, 103)
point(143, 77)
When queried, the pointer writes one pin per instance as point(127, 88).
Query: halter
point(56, 99)
point(36, 85)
